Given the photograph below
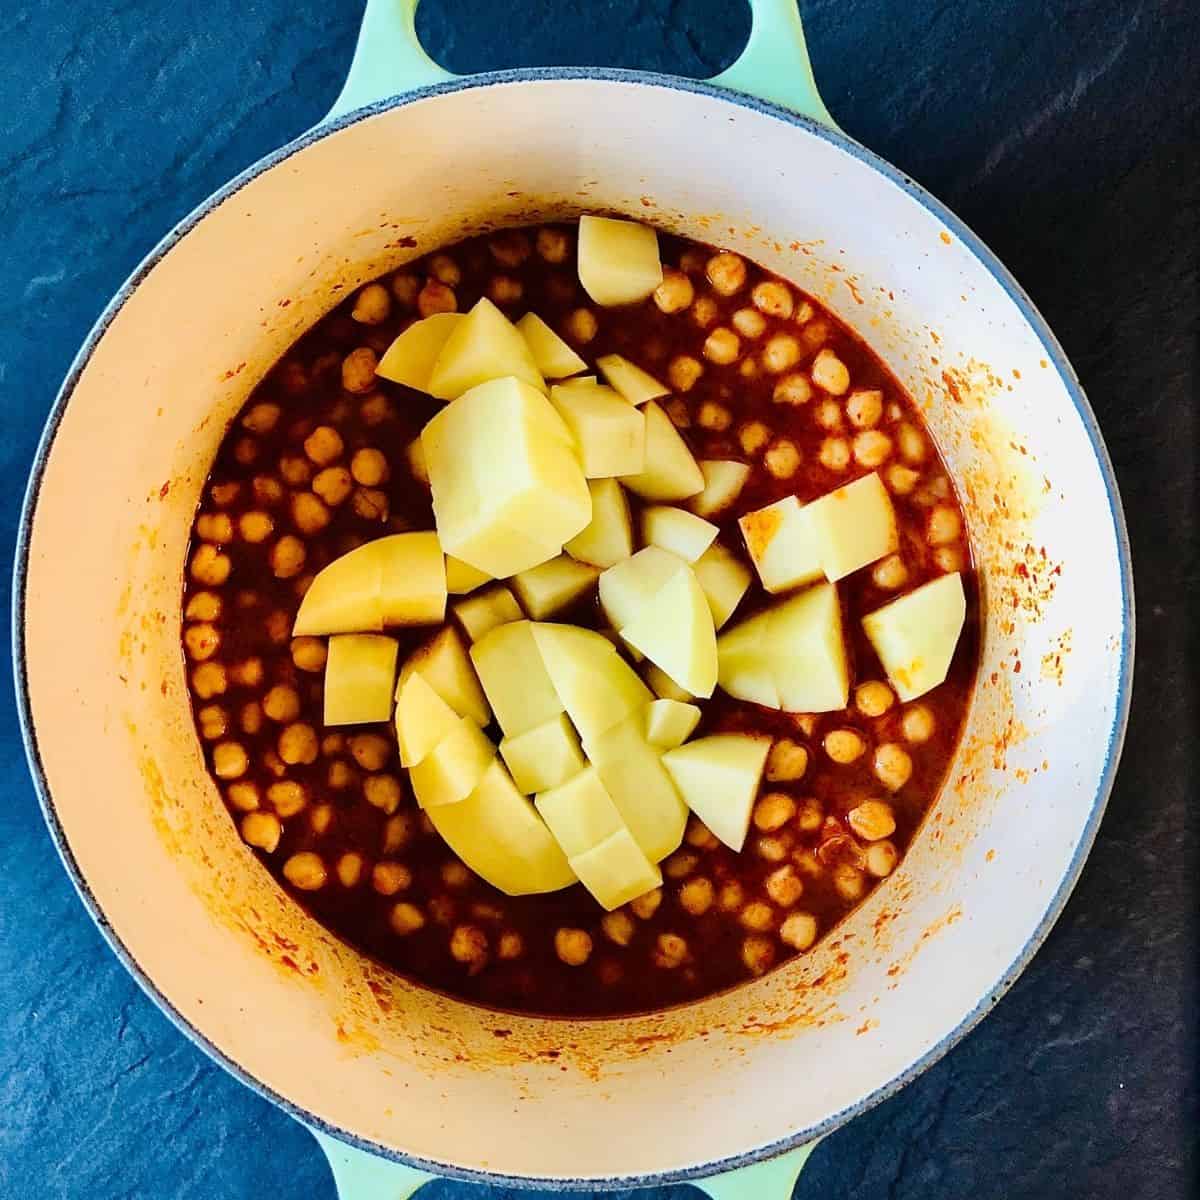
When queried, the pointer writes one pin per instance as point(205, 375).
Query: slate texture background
point(1067, 134)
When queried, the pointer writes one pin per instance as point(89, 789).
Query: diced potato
point(853, 526)
point(618, 260)
point(744, 666)
point(579, 381)
point(609, 431)
point(718, 777)
point(628, 586)
point(508, 488)
point(443, 663)
point(630, 380)
point(633, 775)
point(677, 530)
point(483, 345)
point(595, 684)
point(498, 834)
point(669, 723)
point(782, 544)
point(723, 483)
point(514, 678)
point(451, 771)
point(675, 631)
point(412, 579)
point(423, 720)
point(616, 871)
point(359, 676)
point(483, 612)
point(543, 757)
point(670, 473)
point(461, 577)
point(663, 686)
point(579, 812)
point(608, 537)
point(554, 585)
point(916, 635)
point(724, 580)
point(554, 358)
point(409, 359)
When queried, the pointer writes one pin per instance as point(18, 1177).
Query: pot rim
point(1055, 355)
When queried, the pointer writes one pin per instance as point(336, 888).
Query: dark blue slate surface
point(1068, 135)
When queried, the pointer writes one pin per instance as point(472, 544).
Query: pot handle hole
point(362, 1176)
point(389, 60)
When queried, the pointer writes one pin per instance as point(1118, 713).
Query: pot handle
point(389, 60)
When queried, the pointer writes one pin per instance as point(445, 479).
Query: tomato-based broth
point(326, 456)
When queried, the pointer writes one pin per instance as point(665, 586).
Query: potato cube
point(669, 723)
point(630, 380)
point(670, 472)
point(853, 526)
point(608, 537)
point(443, 663)
point(345, 596)
point(514, 678)
point(677, 530)
point(554, 585)
point(423, 720)
point(782, 544)
point(723, 483)
point(718, 777)
point(412, 579)
point(481, 613)
point(744, 666)
point(543, 757)
point(554, 358)
point(724, 580)
point(609, 431)
point(616, 871)
point(484, 345)
point(916, 635)
point(359, 675)
point(579, 812)
point(508, 488)
point(498, 834)
point(663, 686)
point(451, 771)
point(461, 577)
point(618, 260)
point(628, 586)
point(409, 359)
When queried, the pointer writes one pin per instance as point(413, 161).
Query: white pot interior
point(289, 1005)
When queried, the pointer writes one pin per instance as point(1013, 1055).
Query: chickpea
point(696, 896)
point(913, 447)
point(900, 480)
point(704, 312)
point(948, 559)
point(807, 863)
point(388, 878)
point(749, 322)
point(203, 606)
point(225, 493)
point(881, 859)
point(781, 353)
point(305, 871)
point(646, 905)
point(618, 927)
point(287, 797)
point(753, 436)
point(683, 372)
point(773, 847)
point(324, 445)
point(864, 407)
point(383, 791)
point(370, 750)
point(731, 897)
point(692, 261)
point(784, 887)
point(435, 297)
point(553, 245)
point(229, 760)
point(773, 811)
point(917, 724)
point(208, 680)
point(758, 954)
point(828, 415)
point(699, 835)
point(245, 450)
point(681, 864)
point(405, 286)
point(510, 248)
point(310, 513)
point(287, 557)
point(773, 298)
point(726, 272)
point(349, 869)
point(214, 527)
point(872, 820)
point(332, 743)
point(510, 945)
point(582, 326)
point(893, 766)
point(375, 409)
point(358, 371)
point(844, 746)
point(804, 313)
point(298, 744)
point(835, 454)
point(406, 918)
point(209, 566)
point(247, 673)
point(251, 718)
point(792, 389)
point(398, 831)
point(873, 698)
point(890, 573)
point(308, 653)
point(677, 410)
point(370, 504)
point(945, 526)
point(455, 874)
point(274, 763)
point(369, 467)
point(799, 931)
point(714, 416)
point(849, 882)
point(675, 293)
point(445, 270)
point(787, 760)
point(722, 346)
point(573, 946)
point(810, 816)
point(341, 775)
point(469, 945)
point(872, 448)
point(243, 795)
point(267, 490)
point(262, 830)
point(830, 373)
point(214, 722)
point(295, 470)
point(278, 626)
point(670, 951)
point(201, 641)
point(372, 305)
point(504, 289)
point(255, 527)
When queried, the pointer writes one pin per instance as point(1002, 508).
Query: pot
point(401, 1083)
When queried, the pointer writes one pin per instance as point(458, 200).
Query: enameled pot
point(401, 1083)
